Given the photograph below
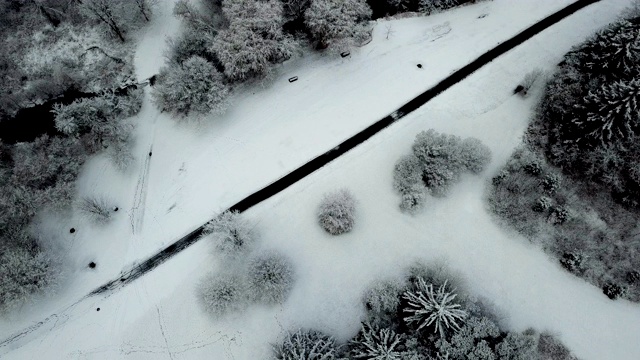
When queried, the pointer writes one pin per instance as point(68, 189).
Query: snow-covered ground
point(196, 171)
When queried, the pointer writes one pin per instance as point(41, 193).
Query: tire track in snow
point(138, 270)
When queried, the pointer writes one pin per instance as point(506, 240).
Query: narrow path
point(323, 159)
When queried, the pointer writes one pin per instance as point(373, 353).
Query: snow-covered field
point(199, 169)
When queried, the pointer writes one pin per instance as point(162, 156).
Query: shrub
point(533, 168)
point(633, 277)
point(572, 262)
point(230, 233)
point(193, 87)
point(518, 346)
point(222, 294)
point(475, 156)
point(407, 173)
point(472, 340)
point(429, 308)
point(542, 204)
point(271, 278)
point(97, 209)
point(374, 343)
point(551, 183)
point(414, 200)
point(337, 212)
point(306, 345)
point(613, 290)
point(382, 301)
point(529, 79)
point(22, 274)
point(559, 215)
point(550, 348)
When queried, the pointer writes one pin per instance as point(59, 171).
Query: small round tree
point(337, 212)
point(270, 278)
point(223, 293)
point(230, 233)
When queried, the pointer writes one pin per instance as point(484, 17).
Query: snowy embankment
point(158, 316)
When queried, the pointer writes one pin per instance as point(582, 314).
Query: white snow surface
point(200, 168)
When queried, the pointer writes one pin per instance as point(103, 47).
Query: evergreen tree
point(611, 113)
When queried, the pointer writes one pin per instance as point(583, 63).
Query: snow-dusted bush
point(22, 273)
point(382, 301)
point(97, 209)
point(550, 348)
point(475, 156)
point(337, 212)
point(529, 79)
point(472, 340)
point(430, 308)
point(271, 278)
point(190, 42)
point(222, 294)
point(231, 234)
point(193, 87)
point(330, 21)
point(373, 343)
point(306, 345)
point(407, 173)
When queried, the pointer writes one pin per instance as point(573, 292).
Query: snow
point(198, 169)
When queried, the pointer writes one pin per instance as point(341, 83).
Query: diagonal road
point(311, 166)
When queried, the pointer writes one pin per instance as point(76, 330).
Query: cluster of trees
point(588, 121)
point(54, 48)
point(590, 236)
point(234, 41)
point(435, 165)
point(267, 278)
point(231, 41)
point(421, 318)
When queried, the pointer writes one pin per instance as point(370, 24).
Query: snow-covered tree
point(373, 343)
point(247, 54)
point(475, 156)
point(331, 21)
point(119, 16)
point(407, 173)
point(613, 51)
point(193, 87)
point(471, 341)
point(222, 294)
point(612, 113)
point(22, 273)
point(271, 278)
point(430, 308)
point(99, 121)
point(337, 212)
point(230, 233)
point(306, 345)
point(431, 6)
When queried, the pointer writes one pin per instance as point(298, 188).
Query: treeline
point(233, 41)
point(52, 48)
point(426, 316)
point(574, 188)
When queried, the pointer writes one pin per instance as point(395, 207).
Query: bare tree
point(105, 11)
